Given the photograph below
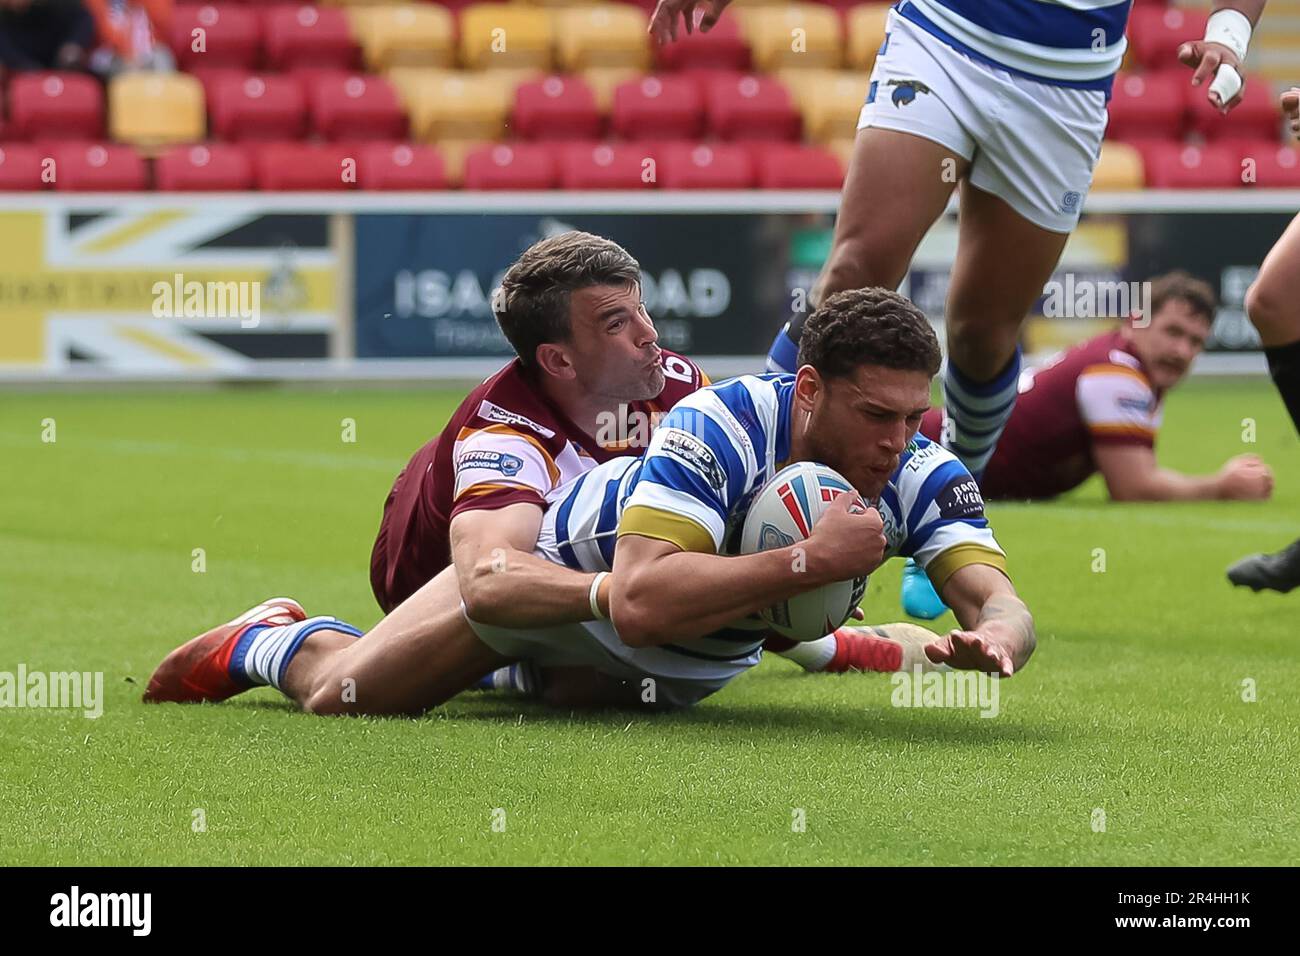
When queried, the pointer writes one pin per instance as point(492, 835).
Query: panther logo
point(905, 91)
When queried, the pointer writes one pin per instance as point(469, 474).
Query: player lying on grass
point(1098, 407)
point(859, 415)
point(1273, 305)
point(1009, 100)
point(572, 303)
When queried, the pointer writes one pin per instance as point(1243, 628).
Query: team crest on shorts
point(905, 91)
point(1070, 201)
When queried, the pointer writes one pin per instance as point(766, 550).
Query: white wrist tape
point(1227, 83)
point(1230, 28)
point(592, 595)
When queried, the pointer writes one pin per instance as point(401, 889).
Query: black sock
point(1284, 367)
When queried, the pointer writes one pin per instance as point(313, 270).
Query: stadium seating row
point(297, 166)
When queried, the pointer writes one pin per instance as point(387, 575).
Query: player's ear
point(808, 386)
point(552, 360)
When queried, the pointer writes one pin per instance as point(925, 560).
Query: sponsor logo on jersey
point(905, 91)
point(508, 465)
point(921, 454)
point(495, 413)
point(960, 498)
point(1133, 403)
point(695, 455)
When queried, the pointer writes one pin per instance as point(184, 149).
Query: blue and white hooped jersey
point(1077, 43)
point(715, 450)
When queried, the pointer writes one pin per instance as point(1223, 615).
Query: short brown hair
point(868, 327)
point(1183, 285)
point(533, 306)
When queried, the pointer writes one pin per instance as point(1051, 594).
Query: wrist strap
point(593, 594)
point(1230, 28)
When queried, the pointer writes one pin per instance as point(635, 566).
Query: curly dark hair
point(868, 327)
point(532, 307)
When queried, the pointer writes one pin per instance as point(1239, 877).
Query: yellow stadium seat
point(830, 100)
point(497, 35)
point(842, 147)
point(356, 3)
point(603, 80)
point(156, 109)
point(409, 35)
point(1118, 168)
point(803, 35)
point(605, 35)
point(568, 3)
point(866, 33)
point(454, 152)
point(455, 104)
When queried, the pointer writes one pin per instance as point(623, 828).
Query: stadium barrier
point(202, 287)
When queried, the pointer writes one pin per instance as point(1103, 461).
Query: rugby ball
point(782, 514)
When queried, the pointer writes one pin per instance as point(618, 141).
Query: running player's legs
point(420, 655)
point(1274, 309)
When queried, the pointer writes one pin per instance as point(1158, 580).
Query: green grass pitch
point(1133, 705)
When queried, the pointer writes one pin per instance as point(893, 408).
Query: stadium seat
point(1275, 166)
point(722, 48)
point(55, 106)
point(751, 108)
point(704, 166)
point(204, 168)
point(514, 166)
point(300, 35)
point(556, 108)
point(295, 167)
point(455, 104)
point(409, 35)
point(355, 107)
point(216, 34)
point(1148, 106)
point(606, 166)
point(1257, 116)
point(795, 166)
point(21, 166)
point(97, 167)
point(1176, 166)
point(866, 32)
point(830, 100)
point(1155, 34)
point(800, 35)
point(156, 109)
point(604, 35)
point(662, 107)
point(604, 80)
point(400, 166)
point(250, 106)
point(1119, 167)
point(496, 35)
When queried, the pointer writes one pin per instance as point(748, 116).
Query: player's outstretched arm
point(503, 583)
point(1131, 474)
point(664, 21)
point(997, 634)
point(1220, 56)
point(663, 593)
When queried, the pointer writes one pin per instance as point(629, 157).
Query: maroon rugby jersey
point(1097, 392)
point(505, 443)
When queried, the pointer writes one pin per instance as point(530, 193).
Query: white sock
point(265, 652)
point(812, 655)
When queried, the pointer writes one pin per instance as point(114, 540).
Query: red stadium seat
point(97, 167)
point(1147, 106)
point(704, 166)
point(1257, 116)
point(1155, 34)
point(20, 167)
point(723, 47)
point(400, 166)
point(225, 35)
point(294, 167)
point(211, 167)
point(1274, 166)
point(513, 166)
point(356, 107)
point(664, 107)
point(249, 106)
point(751, 108)
point(606, 166)
point(304, 35)
point(1176, 166)
point(795, 166)
point(55, 106)
point(556, 108)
